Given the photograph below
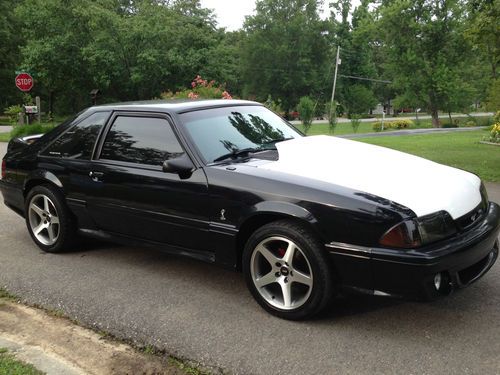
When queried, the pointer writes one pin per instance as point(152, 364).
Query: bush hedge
point(394, 124)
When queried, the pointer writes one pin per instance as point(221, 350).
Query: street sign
point(24, 82)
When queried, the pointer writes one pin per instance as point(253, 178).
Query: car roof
point(176, 105)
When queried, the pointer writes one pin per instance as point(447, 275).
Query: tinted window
point(141, 140)
point(221, 130)
point(78, 142)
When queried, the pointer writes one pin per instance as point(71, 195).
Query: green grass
point(460, 150)
point(346, 128)
point(24, 130)
point(367, 127)
point(11, 366)
point(5, 137)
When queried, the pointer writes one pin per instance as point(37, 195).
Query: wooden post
point(39, 114)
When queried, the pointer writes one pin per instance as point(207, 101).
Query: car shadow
point(203, 278)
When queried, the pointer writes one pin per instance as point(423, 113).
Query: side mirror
point(181, 165)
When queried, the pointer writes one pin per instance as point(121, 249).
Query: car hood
point(419, 184)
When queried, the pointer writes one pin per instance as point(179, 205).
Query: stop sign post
point(24, 82)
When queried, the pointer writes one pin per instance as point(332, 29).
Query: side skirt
point(208, 257)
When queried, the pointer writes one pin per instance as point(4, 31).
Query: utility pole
point(333, 109)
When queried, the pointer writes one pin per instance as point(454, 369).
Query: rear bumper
point(460, 260)
point(12, 196)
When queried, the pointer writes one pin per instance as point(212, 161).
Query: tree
point(425, 45)
point(10, 40)
point(354, 36)
point(285, 52)
point(493, 98)
point(483, 30)
point(359, 99)
point(129, 49)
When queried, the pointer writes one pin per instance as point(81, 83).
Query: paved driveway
point(204, 313)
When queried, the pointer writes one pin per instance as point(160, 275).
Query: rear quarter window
point(78, 142)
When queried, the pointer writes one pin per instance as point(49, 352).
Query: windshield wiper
point(274, 141)
point(236, 153)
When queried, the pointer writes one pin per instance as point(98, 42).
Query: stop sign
point(24, 82)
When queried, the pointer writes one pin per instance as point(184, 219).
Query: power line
point(365, 79)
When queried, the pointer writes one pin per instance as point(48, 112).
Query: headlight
point(420, 231)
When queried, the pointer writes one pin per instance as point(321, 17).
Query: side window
point(142, 140)
point(78, 142)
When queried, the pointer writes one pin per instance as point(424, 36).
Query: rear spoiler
point(22, 142)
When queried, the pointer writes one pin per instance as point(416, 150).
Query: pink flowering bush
point(200, 89)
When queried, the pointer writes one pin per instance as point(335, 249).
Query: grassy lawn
point(367, 127)
point(10, 365)
point(4, 137)
point(460, 150)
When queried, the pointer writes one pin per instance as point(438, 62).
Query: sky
point(230, 13)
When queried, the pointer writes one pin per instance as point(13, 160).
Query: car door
point(131, 194)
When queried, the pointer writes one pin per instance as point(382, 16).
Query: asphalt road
point(204, 313)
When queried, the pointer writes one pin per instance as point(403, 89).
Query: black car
point(230, 182)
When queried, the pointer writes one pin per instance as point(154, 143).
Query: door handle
point(95, 176)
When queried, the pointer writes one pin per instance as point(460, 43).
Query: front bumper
point(460, 260)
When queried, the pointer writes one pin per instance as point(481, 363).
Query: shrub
point(200, 89)
point(497, 117)
point(400, 124)
point(275, 106)
point(306, 111)
point(395, 124)
point(485, 121)
point(377, 126)
point(470, 123)
point(332, 117)
point(355, 122)
point(494, 133)
point(24, 130)
point(13, 112)
point(449, 125)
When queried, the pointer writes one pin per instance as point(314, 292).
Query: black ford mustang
point(229, 182)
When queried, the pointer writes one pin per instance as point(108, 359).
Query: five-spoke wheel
point(48, 219)
point(281, 273)
point(43, 219)
point(287, 271)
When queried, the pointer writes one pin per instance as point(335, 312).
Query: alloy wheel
point(44, 219)
point(281, 273)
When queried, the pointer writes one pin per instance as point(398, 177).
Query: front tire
point(49, 220)
point(287, 271)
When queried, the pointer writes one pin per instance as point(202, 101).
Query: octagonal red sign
point(24, 82)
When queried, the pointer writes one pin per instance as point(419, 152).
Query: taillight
point(4, 169)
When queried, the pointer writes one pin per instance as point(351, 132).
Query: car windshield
point(227, 131)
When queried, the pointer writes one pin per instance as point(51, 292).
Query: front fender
point(281, 208)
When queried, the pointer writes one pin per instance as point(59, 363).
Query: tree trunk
point(451, 120)
point(435, 118)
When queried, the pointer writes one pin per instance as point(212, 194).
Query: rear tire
point(287, 271)
point(49, 221)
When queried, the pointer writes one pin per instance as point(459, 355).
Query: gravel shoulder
point(56, 345)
